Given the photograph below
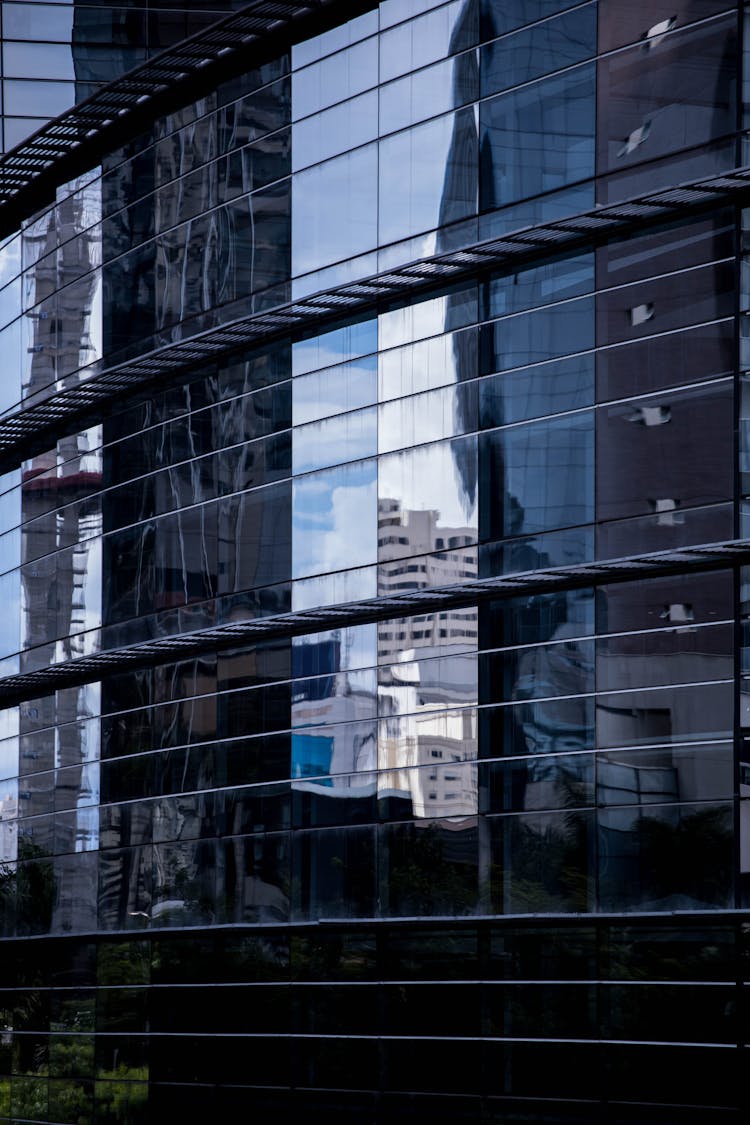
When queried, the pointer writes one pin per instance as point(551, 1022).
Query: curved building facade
point(373, 557)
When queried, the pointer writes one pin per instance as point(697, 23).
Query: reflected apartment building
point(374, 546)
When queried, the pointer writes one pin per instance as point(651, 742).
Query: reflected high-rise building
point(374, 562)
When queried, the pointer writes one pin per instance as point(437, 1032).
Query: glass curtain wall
point(484, 861)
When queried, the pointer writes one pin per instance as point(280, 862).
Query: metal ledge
point(73, 142)
point(162, 650)
point(33, 429)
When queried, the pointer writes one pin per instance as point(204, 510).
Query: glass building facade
point(374, 701)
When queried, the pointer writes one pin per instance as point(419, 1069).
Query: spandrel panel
point(334, 210)
point(671, 857)
point(537, 476)
point(428, 176)
point(656, 437)
point(552, 45)
point(665, 715)
point(439, 88)
point(533, 392)
point(431, 363)
point(677, 93)
point(538, 138)
point(435, 35)
point(671, 773)
point(332, 441)
point(334, 520)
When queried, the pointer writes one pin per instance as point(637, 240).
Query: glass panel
point(532, 392)
point(674, 857)
point(428, 176)
point(678, 92)
point(680, 773)
point(335, 440)
point(444, 413)
point(542, 861)
point(430, 363)
point(429, 495)
point(499, 16)
point(412, 45)
point(345, 126)
point(335, 390)
point(538, 138)
point(536, 476)
point(336, 78)
point(335, 519)
point(552, 45)
point(429, 92)
point(334, 210)
point(665, 715)
point(655, 437)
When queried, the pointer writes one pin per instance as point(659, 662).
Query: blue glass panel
point(538, 138)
